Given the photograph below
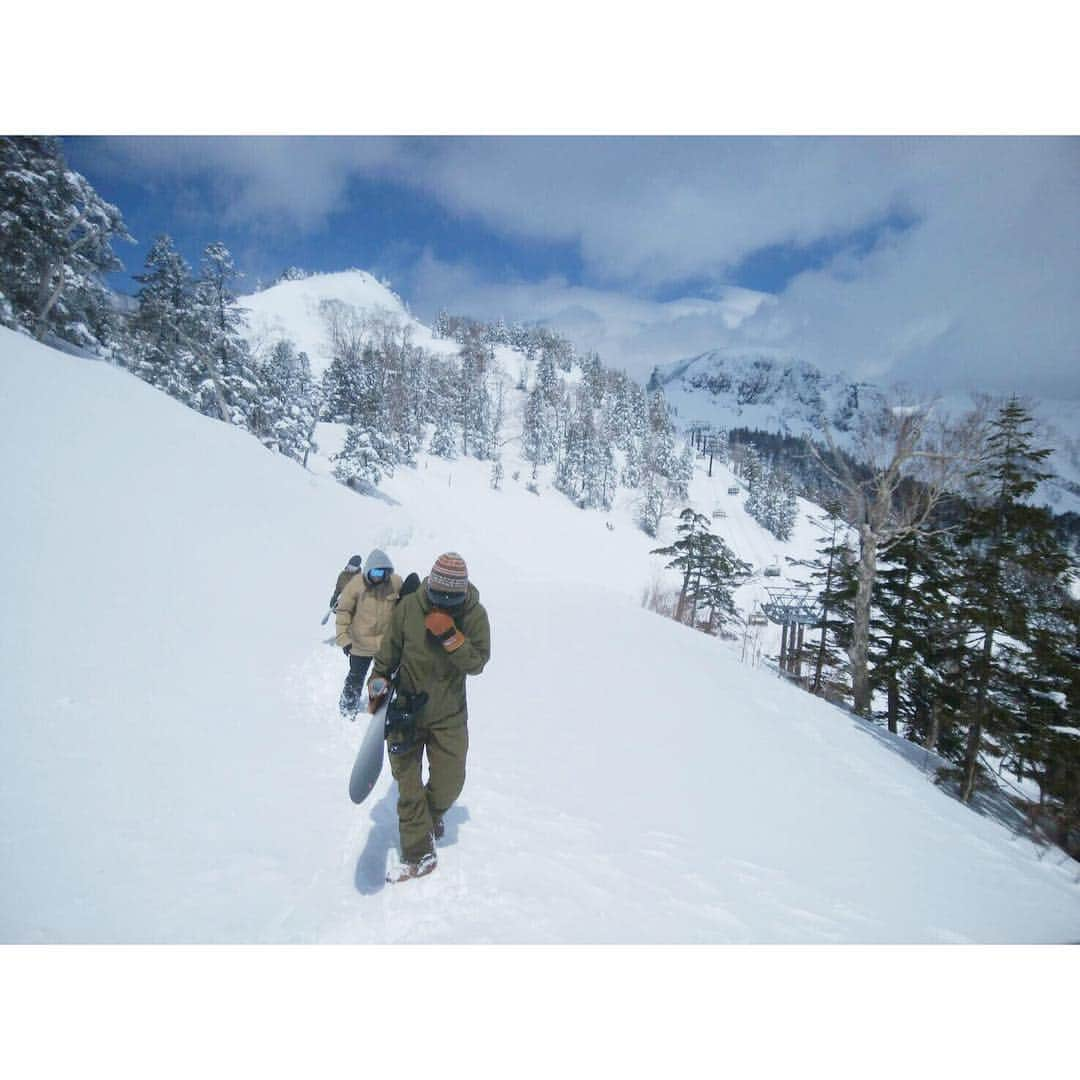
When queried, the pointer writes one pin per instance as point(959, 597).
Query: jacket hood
point(378, 560)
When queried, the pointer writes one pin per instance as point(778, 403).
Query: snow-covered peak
point(770, 390)
point(294, 309)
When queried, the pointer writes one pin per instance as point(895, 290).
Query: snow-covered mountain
point(176, 765)
point(295, 309)
point(770, 391)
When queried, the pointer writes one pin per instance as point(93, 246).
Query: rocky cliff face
point(760, 390)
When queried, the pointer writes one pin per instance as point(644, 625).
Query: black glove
point(347, 650)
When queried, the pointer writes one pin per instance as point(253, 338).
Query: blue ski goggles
point(378, 574)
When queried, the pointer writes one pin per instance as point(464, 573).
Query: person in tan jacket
point(363, 614)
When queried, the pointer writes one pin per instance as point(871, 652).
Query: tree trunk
point(860, 637)
point(971, 752)
point(899, 625)
point(48, 298)
point(934, 733)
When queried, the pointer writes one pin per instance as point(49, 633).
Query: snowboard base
point(369, 758)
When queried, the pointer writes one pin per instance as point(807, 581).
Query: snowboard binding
point(401, 716)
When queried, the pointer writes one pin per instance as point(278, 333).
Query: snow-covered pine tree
point(444, 438)
point(752, 474)
point(659, 453)
point(230, 388)
point(684, 472)
point(632, 472)
point(473, 403)
point(653, 503)
point(289, 405)
point(366, 457)
point(547, 381)
point(620, 425)
point(56, 237)
point(593, 378)
point(160, 339)
point(349, 379)
point(537, 437)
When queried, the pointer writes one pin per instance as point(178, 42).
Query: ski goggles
point(378, 574)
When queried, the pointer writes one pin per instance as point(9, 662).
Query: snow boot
point(406, 870)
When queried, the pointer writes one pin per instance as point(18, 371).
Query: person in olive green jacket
point(362, 615)
point(438, 635)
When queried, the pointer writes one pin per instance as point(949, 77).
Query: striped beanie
point(449, 579)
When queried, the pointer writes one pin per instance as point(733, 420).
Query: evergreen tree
point(710, 572)
point(289, 406)
point(367, 456)
point(56, 236)
point(1007, 546)
point(443, 440)
point(631, 473)
point(473, 403)
point(537, 442)
point(161, 330)
point(230, 388)
point(903, 582)
point(652, 504)
point(831, 573)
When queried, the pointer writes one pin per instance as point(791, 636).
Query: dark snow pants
point(353, 689)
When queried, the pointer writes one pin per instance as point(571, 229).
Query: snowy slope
point(176, 768)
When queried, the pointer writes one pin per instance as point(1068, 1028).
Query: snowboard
point(369, 758)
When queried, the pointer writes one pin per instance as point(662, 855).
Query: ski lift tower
point(794, 610)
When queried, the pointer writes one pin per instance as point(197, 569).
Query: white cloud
point(627, 331)
point(983, 288)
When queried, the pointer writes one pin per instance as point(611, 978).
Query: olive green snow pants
point(447, 743)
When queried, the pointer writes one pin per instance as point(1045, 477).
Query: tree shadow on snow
point(990, 802)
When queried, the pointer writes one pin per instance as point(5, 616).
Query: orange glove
point(442, 627)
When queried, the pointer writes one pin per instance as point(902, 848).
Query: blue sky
point(952, 263)
point(379, 226)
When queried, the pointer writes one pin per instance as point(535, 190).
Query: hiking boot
point(406, 870)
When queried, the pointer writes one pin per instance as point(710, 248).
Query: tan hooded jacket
point(363, 613)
